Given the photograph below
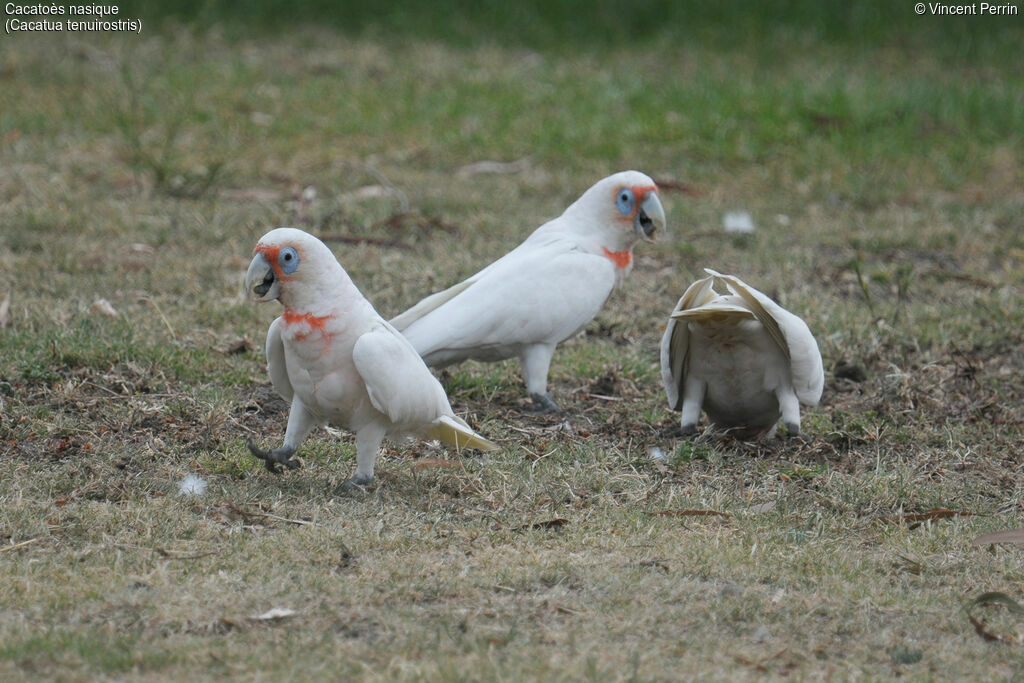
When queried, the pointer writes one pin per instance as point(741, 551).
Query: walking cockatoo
point(545, 290)
point(338, 361)
point(745, 360)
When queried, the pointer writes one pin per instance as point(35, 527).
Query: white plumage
point(745, 360)
point(545, 290)
point(338, 362)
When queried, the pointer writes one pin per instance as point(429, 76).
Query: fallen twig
point(693, 513)
point(914, 519)
point(14, 546)
point(268, 515)
point(171, 556)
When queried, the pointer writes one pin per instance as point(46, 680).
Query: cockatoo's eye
point(288, 259)
point(625, 201)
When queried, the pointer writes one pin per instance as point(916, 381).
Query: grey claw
point(542, 404)
point(271, 458)
point(688, 430)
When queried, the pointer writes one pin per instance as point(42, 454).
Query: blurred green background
point(599, 24)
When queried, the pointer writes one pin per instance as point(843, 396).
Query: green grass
point(880, 158)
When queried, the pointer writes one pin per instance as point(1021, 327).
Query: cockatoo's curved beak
point(650, 218)
point(261, 281)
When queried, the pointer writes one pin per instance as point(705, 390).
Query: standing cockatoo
point(739, 355)
point(338, 361)
point(545, 290)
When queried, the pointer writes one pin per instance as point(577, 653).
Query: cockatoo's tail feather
point(455, 432)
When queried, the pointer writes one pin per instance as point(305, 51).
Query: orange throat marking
point(315, 323)
point(620, 258)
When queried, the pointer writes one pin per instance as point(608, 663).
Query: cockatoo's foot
point(274, 457)
point(358, 482)
point(793, 430)
point(688, 430)
point(542, 403)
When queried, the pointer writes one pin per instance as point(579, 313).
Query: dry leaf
point(676, 186)
point(274, 614)
point(104, 307)
point(992, 598)
point(761, 508)
point(1015, 536)
point(5, 309)
point(240, 345)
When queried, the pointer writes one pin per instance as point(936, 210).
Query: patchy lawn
point(886, 189)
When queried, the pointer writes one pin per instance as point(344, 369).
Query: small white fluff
point(738, 223)
point(192, 485)
point(656, 454)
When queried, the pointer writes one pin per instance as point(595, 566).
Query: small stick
point(18, 545)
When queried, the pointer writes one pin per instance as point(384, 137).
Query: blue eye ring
point(625, 201)
point(288, 260)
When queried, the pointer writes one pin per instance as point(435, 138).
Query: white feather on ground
point(192, 485)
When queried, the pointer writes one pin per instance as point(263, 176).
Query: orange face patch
point(271, 252)
point(640, 193)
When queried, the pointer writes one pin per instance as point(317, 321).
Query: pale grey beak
point(260, 280)
point(650, 218)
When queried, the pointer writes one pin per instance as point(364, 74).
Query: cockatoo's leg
point(300, 424)
point(368, 441)
point(789, 404)
point(535, 361)
point(693, 400)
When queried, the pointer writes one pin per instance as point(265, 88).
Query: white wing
point(398, 382)
point(675, 343)
point(792, 335)
point(541, 292)
point(276, 366)
point(429, 304)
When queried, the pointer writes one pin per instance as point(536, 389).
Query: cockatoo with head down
point(545, 290)
point(337, 361)
point(745, 360)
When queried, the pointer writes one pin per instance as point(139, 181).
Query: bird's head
point(623, 207)
point(290, 265)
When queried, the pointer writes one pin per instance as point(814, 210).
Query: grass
point(884, 177)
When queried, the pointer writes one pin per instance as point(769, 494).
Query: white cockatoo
point(337, 361)
point(745, 360)
point(545, 290)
